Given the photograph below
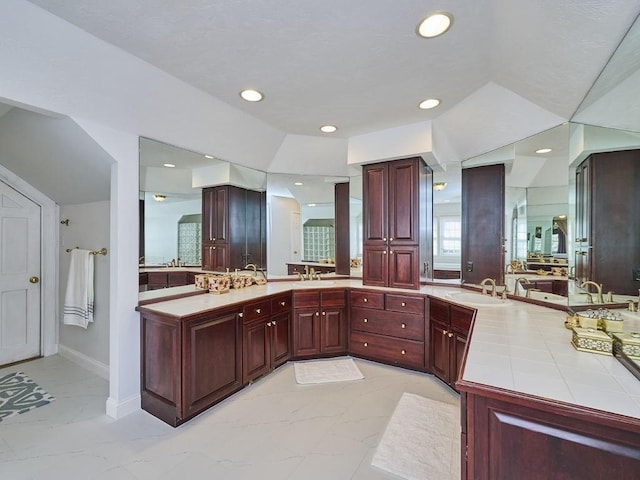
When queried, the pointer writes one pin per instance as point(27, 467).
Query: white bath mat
point(421, 441)
point(326, 371)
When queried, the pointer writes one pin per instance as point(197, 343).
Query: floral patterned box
point(628, 343)
point(592, 340)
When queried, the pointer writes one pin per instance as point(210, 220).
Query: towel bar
point(102, 251)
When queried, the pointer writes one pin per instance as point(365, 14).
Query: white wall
point(280, 210)
point(89, 229)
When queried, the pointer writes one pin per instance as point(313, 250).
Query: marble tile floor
point(273, 429)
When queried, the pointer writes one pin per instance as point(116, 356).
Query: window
point(447, 236)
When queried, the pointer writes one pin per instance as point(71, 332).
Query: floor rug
point(421, 441)
point(19, 394)
point(326, 371)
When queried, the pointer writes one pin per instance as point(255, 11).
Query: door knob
point(34, 279)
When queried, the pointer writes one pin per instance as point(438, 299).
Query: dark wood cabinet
point(266, 338)
point(449, 326)
point(319, 322)
point(507, 435)
point(233, 228)
point(389, 328)
point(483, 239)
point(189, 364)
point(397, 214)
point(607, 221)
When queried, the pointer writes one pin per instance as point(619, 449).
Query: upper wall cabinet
point(233, 228)
point(397, 222)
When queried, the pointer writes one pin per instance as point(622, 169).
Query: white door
point(294, 228)
point(19, 276)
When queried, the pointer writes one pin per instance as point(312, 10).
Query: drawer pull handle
point(365, 300)
point(257, 310)
point(365, 320)
point(403, 352)
point(404, 325)
point(366, 344)
point(449, 334)
point(403, 304)
point(283, 303)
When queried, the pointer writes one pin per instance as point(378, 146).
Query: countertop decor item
point(592, 340)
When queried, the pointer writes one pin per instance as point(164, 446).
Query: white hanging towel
point(78, 300)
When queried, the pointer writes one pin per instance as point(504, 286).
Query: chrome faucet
point(251, 266)
point(598, 287)
point(483, 284)
point(516, 290)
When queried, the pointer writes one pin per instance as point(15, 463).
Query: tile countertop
point(518, 346)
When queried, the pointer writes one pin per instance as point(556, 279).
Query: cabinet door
point(256, 351)
point(212, 367)
point(215, 214)
point(280, 339)
point(255, 221)
point(306, 331)
point(403, 202)
point(439, 349)
point(375, 265)
point(157, 280)
point(374, 203)
point(404, 265)
point(458, 344)
point(215, 257)
point(333, 334)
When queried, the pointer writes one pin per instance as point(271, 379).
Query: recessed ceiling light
point(210, 157)
point(159, 198)
point(251, 95)
point(429, 103)
point(169, 165)
point(543, 150)
point(328, 128)
point(434, 24)
point(298, 183)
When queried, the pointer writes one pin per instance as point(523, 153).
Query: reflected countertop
point(520, 347)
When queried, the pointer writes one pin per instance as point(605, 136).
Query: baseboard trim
point(121, 409)
point(84, 361)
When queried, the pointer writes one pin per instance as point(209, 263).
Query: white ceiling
point(505, 68)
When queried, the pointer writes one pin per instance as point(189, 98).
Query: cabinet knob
point(324, 313)
point(365, 300)
point(283, 303)
point(391, 239)
point(317, 314)
point(403, 304)
point(444, 332)
point(257, 310)
point(449, 334)
point(365, 320)
point(268, 324)
point(273, 323)
point(404, 325)
point(384, 252)
point(390, 252)
point(384, 239)
point(213, 239)
point(213, 248)
point(241, 315)
point(403, 352)
point(366, 344)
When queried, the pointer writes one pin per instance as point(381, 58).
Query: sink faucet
point(483, 284)
point(516, 291)
point(598, 287)
point(252, 266)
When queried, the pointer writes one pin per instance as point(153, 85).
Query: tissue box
point(628, 343)
point(588, 322)
point(592, 340)
point(611, 326)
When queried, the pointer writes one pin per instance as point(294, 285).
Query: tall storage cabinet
point(233, 228)
point(607, 221)
point(397, 216)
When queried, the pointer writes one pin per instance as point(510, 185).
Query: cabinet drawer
point(332, 298)
point(367, 299)
point(461, 319)
point(307, 298)
point(387, 349)
point(388, 323)
point(256, 310)
point(404, 303)
point(438, 310)
point(280, 304)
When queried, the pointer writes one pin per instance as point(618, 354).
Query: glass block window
point(189, 239)
point(318, 240)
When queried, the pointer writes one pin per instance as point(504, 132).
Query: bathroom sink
point(314, 283)
point(548, 297)
point(477, 299)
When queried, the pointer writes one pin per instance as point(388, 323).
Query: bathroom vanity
point(532, 405)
